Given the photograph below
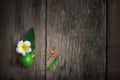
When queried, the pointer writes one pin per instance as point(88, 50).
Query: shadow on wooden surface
point(113, 40)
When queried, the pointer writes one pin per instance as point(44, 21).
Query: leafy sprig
point(30, 36)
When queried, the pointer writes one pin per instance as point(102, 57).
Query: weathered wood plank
point(113, 40)
point(16, 18)
point(113, 23)
point(113, 64)
point(76, 30)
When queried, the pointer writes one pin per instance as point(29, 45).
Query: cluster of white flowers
point(23, 47)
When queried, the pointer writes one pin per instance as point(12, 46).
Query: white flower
point(23, 47)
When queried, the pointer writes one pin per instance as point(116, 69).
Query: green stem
point(48, 58)
point(41, 54)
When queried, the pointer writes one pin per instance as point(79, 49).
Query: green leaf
point(52, 65)
point(30, 36)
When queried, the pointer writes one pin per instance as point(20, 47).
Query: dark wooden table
point(76, 29)
point(113, 40)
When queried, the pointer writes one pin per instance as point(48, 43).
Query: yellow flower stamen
point(24, 47)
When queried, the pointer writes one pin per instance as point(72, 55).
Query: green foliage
point(30, 36)
point(53, 64)
point(27, 60)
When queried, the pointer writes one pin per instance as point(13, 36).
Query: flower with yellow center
point(23, 47)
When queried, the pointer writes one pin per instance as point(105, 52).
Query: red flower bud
point(52, 53)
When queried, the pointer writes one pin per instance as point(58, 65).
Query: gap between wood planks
point(45, 37)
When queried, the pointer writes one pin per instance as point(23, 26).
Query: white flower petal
point(29, 50)
point(23, 53)
point(19, 43)
point(18, 50)
point(27, 43)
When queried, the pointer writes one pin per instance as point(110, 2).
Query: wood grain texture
point(16, 17)
point(113, 40)
point(76, 30)
point(113, 23)
point(113, 64)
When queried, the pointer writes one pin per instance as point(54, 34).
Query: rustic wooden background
point(76, 29)
point(113, 40)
